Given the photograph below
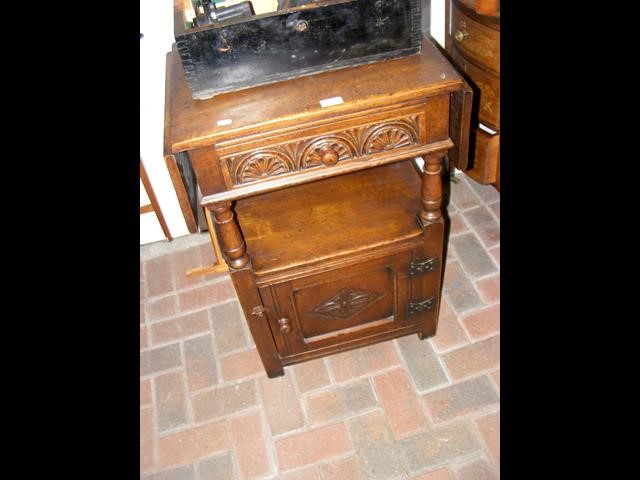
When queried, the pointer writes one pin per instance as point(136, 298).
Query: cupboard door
point(327, 310)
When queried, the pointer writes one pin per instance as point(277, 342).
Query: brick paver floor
point(402, 409)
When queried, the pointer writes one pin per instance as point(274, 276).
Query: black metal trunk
point(267, 48)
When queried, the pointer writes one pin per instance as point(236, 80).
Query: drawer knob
point(329, 155)
point(301, 26)
point(285, 326)
point(461, 35)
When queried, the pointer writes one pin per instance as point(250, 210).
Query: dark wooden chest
point(328, 35)
point(334, 239)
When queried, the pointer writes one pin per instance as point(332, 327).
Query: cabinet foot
point(275, 372)
point(425, 335)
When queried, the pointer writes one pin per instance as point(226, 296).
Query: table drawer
point(361, 139)
point(328, 311)
point(489, 90)
point(479, 42)
point(486, 157)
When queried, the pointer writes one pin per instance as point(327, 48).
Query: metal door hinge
point(425, 305)
point(423, 266)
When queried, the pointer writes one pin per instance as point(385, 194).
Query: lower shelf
point(341, 215)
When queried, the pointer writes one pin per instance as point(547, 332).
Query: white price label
point(330, 102)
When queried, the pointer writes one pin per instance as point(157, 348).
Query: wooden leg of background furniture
point(153, 206)
point(219, 265)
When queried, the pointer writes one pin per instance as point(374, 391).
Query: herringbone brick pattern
point(403, 409)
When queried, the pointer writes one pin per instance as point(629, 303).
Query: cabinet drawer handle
point(461, 35)
point(301, 26)
point(285, 328)
point(329, 155)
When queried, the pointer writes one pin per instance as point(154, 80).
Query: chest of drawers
point(473, 41)
point(332, 235)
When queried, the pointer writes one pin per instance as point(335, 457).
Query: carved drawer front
point(329, 309)
point(489, 86)
point(478, 42)
point(362, 139)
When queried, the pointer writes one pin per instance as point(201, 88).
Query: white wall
point(437, 20)
point(156, 23)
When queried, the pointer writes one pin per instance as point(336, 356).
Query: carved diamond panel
point(346, 303)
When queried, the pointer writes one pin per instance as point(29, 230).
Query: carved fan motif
point(312, 157)
point(303, 154)
point(346, 302)
point(262, 165)
point(388, 138)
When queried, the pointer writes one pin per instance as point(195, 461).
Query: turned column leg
point(431, 189)
point(431, 216)
point(235, 251)
point(232, 243)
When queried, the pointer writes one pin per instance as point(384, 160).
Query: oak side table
point(333, 236)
